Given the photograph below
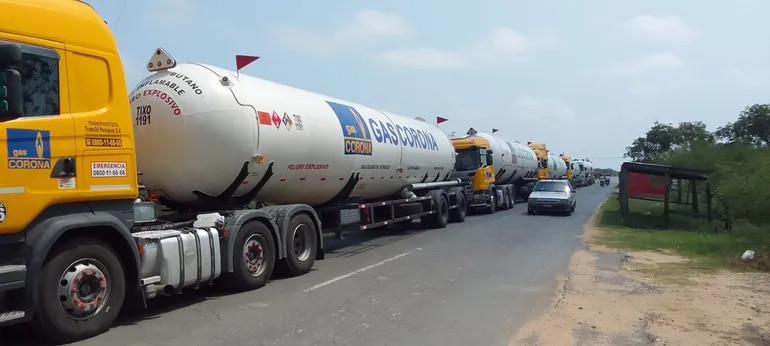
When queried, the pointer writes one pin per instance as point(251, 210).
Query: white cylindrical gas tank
point(559, 166)
point(196, 127)
point(524, 161)
point(501, 157)
point(578, 169)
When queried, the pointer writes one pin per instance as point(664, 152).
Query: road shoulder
point(610, 297)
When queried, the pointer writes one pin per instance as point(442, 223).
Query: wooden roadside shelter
point(636, 183)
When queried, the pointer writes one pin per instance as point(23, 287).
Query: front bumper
point(479, 199)
point(549, 205)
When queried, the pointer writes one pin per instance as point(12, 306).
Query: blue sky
point(584, 77)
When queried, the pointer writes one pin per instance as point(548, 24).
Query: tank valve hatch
point(471, 132)
point(160, 60)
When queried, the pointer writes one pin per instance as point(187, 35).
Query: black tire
point(440, 218)
point(512, 196)
point(51, 321)
point(443, 211)
point(241, 279)
point(506, 203)
point(530, 211)
point(301, 246)
point(458, 214)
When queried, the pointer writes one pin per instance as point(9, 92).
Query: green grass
point(686, 235)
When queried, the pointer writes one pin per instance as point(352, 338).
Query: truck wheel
point(512, 194)
point(458, 214)
point(81, 291)
point(440, 218)
point(301, 246)
point(253, 257)
point(504, 199)
point(508, 200)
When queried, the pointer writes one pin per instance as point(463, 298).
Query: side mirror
point(146, 212)
point(11, 99)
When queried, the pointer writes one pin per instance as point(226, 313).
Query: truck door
point(39, 145)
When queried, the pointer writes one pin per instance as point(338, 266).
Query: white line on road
point(361, 270)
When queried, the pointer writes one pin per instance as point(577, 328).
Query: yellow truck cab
point(568, 161)
point(542, 159)
point(475, 167)
point(69, 179)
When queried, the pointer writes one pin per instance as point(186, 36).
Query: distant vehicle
point(604, 180)
point(552, 196)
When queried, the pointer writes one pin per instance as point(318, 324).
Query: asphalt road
point(472, 283)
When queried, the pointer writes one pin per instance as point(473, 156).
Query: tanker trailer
point(590, 179)
point(266, 165)
point(559, 169)
point(578, 172)
point(523, 177)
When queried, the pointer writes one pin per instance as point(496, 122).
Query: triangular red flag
point(440, 120)
point(494, 130)
point(242, 61)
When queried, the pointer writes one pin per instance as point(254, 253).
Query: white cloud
point(366, 27)
point(660, 30)
point(369, 27)
point(424, 58)
point(651, 64)
point(504, 43)
point(547, 110)
point(500, 44)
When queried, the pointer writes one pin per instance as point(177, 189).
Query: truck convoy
point(496, 172)
point(214, 177)
point(76, 245)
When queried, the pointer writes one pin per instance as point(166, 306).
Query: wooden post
point(708, 200)
point(666, 199)
point(679, 188)
point(694, 196)
point(623, 193)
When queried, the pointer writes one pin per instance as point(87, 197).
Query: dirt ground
point(646, 298)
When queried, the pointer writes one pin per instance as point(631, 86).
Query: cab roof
point(71, 22)
point(470, 142)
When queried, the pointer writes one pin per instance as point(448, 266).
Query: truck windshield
point(467, 160)
point(551, 186)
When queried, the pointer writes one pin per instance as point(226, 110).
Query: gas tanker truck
point(583, 172)
point(494, 171)
point(557, 167)
point(239, 176)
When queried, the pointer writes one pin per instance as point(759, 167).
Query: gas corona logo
point(39, 145)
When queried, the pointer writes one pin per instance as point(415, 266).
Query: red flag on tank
point(440, 120)
point(242, 61)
